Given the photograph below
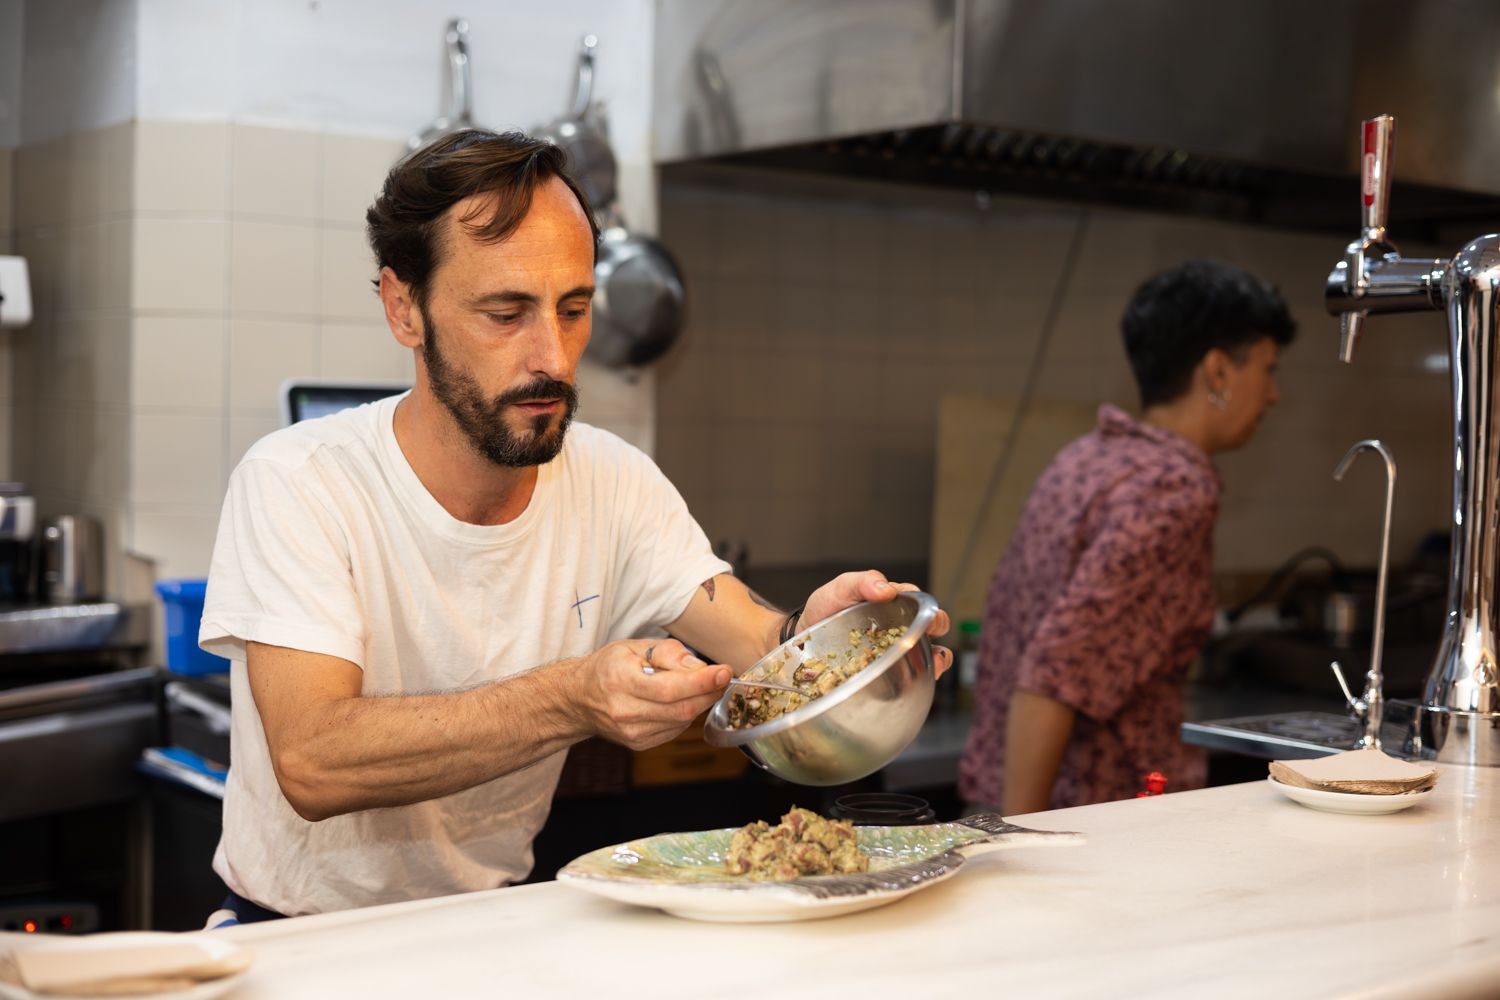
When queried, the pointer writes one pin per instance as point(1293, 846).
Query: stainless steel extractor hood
point(1241, 110)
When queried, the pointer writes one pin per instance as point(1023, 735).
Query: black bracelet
point(789, 627)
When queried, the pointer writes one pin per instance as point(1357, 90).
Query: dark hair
point(404, 225)
point(1180, 315)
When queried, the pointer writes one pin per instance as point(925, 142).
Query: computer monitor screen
point(306, 399)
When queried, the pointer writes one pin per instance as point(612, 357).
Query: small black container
point(882, 809)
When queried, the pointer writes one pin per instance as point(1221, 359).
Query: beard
point(482, 419)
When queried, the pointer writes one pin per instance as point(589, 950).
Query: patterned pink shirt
point(1101, 602)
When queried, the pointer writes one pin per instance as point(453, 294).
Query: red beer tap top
point(1156, 784)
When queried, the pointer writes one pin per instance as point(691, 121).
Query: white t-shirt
point(330, 543)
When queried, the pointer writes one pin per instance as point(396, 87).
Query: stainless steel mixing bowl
point(859, 726)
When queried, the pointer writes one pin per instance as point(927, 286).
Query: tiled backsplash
point(70, 367)
point(183, 270)
point(827, 319)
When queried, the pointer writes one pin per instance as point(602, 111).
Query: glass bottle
point(967, 667)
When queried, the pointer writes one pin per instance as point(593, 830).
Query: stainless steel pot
point(457, 108)
point(591, 161)
point(638, 300)
point(72, 560)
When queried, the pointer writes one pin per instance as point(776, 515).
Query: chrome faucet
point(1459, 718)
point(1369, 707)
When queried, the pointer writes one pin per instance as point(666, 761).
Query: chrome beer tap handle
point(1374, 195)
point(1376, 135)
point(1373, 276)
point(1371, 705)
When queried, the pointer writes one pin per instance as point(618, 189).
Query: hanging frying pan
point(457, 112)
point(590, 159)
point(638, 300)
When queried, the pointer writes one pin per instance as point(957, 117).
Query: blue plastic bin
point(183, 601)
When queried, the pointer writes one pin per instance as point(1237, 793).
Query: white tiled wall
point(251, 268)
point(826, 320)
point(69, 373)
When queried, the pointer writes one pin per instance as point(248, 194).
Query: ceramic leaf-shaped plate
point(684, 873)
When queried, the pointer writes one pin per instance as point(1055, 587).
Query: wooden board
point(971, 435)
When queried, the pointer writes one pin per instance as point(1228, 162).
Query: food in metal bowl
point(813, 677)
point(864, 722)
point(803, 843)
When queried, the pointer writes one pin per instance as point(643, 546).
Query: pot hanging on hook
point(638, 300)
point(458, 104)
point(638, 290)
point(590, 158)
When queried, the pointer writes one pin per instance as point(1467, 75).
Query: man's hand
point(621, 702)
point(849, 589)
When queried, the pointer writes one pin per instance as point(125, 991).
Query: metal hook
point(583, 83)
point(1374, 702)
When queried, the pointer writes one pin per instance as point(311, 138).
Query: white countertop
point(1233, 891)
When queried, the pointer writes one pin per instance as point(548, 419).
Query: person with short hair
point(426, 600)
point(1105, 593)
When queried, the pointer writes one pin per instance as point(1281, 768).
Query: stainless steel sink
point(1297, 735)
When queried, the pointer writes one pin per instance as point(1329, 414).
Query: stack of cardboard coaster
point(1361, 772)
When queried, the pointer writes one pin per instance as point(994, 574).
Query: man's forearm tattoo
point(763, 602)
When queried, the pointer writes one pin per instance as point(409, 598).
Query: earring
point(1218, 401)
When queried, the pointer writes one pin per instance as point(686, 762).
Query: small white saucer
point(1349, 802)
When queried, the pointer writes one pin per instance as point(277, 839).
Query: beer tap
point(1459, 717)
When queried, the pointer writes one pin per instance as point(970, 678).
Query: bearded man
point(426, 600)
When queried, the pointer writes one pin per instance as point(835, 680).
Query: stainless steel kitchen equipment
point(76, 711)
point(63, 631)
point(1369, 707)
point(764, 686)
point(17, 543)
point(1060, 99)
point(859, 726)
point(1459, 718)
point(590, 157)
point(458, 88)
point(1295, 735)
point(639, 299)
point(72, 560)
point(81, 737)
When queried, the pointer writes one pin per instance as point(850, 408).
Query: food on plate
point(813, 677)
point(803, 843)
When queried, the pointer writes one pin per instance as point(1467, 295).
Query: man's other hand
point(849, 589)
